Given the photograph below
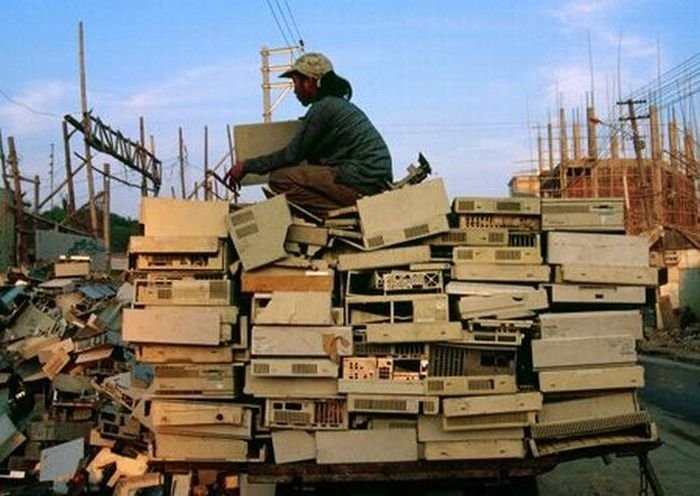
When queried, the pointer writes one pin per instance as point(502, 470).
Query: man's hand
point(234, 175)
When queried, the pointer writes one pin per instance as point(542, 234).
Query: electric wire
point(27, 107)
point(294, 23)
point(284, 19)
point(279, 26)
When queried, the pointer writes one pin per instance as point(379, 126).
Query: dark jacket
point(335, 132)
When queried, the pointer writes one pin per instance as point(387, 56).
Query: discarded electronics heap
point(402, 329)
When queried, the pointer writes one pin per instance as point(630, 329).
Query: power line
point(279, 26)
point(26, 107)
point(284, 19)
point(294, 23)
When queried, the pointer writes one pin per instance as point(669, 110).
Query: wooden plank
point(639, 276)
point(609, 250)
point(171, 217)
point(496, 272)
point(259, 231)
point(588, 324)
point(413, 332)
point(307, 234)
point(269, 279)
point(370, 446)
point(172, 325)
point(394, 257)
point(604, 294)
point(480, 405)
point(322, 341)
point(589, 351)
point(482, 449)
point(594, 379)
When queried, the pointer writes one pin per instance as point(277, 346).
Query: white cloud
point(583, 13)
point(37, 109)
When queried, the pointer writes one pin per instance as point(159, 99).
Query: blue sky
point(457, 80)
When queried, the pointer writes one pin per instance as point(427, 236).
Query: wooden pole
point(540, 152)
point(86, 132)
point(267, 106)
point(5, 180)
point(51, 170)
point(576, 137)
point(550, 146)
point(106, 217)
point(157, 171)
point(642, 184)
point(66, 181)
point(654, 131)
point(19, 207)
point(142, 157)
point(591, 122)
point(229, 136)
point(563, 138)
point(37, 182)
point(207, 183)
point(69, 170)
point(181, 159)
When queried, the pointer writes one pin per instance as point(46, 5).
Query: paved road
point(672, 395)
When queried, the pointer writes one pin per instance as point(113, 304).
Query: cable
point(27, 107)
point(279, 26)
point(284, 19)
point(294, 23)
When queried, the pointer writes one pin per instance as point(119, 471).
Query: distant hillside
point(122, 227)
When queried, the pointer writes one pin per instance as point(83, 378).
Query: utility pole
point(106, 217)
point(142, 157)
point(207, 183)
point(638, 145)
point(69, 171)
point(284, 87)
point(51, 171)
point(181, 160)
point(3, 163)
point(19, 207)
point(86, 127)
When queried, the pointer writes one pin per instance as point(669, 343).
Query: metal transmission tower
point(106, 140)
point(281, 87)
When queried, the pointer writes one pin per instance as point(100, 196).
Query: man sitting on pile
point(337, 155)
